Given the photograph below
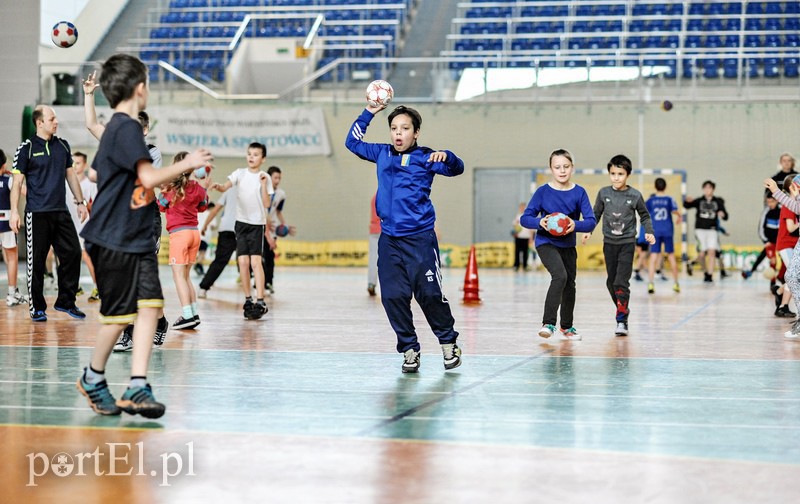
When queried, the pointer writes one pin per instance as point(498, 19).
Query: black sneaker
point(784, 311)
point(259, 309)
point(778, 296)
point(184, 324)
point(161, 332)
point(198, 268)
point(100, 399)
point(73, 312)
point(247, 308)
point(125, 341)
point(140, 400)
point(707, 278)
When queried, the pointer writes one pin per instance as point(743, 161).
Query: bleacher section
point(195, 36)
point(694, 39)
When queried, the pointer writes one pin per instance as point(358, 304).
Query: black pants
point(409, 266)
point(619, 266)
point(562, 264)
point(45, 230)
point(226, 246)
point(268, 263)
point(521, 251)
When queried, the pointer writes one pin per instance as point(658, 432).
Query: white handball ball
point(64, 34)
point(379, 93)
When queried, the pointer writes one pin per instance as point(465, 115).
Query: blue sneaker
point(73, 312)
point(100, 399)
point(39, 316)
point(142, 401)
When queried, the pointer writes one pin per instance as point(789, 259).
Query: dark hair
point(560, 152)
point(621, 161)
point(258, 145)
point(787, 182)
point(712, 184)
point(80, 154)
point(273, 169)
point(768, 194)
point(3, 157)
point(38, 114)
point(144, 118)
point(416, 119)
point(119, 77)
point(661, 184)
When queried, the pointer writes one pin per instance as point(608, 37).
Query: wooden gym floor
point(701, 403)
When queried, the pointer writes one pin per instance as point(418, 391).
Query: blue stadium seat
point(734, 8)
point(772, 68)
point(730, 68)
point(791, 69)
point(751, 67)
point(711, 68)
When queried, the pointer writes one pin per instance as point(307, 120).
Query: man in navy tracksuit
point(45, 161)
point(408, 251)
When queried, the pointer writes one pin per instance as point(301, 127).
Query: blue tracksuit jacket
point(404, 180)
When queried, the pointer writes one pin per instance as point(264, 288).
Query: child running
point(119, 239)
point(408, 250)
point(793, 270)
point(252, 205)
point(661, 208)
point(618, 205)
point(181, 200)
point(8, 238)
point(558, 253)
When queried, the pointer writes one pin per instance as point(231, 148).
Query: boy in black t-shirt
point(119, 239)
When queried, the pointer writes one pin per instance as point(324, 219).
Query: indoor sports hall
point(699, 402)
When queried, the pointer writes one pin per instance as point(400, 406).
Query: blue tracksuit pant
point(407, 266)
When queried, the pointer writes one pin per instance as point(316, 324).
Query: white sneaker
point(410, 361)
point(570, 334)
point(622, 329)
point(202, 293)
point(791, 335)
point(16, 299)
point(547, 330)
point(452, 355)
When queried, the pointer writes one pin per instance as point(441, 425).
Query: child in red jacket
point(181, 200)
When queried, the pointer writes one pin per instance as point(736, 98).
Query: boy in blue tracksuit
point(408, 251)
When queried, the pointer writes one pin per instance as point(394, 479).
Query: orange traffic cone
point(471, 295)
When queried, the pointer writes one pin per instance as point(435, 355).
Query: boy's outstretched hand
point(200, 157)
point(89, 84)
point(375, 110)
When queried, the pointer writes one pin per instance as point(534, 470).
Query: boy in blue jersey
point(119, 239)
point(662, 208)
point(408, 251)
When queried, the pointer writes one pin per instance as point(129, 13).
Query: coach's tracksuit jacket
point(408, 252)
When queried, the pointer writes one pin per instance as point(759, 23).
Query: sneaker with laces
point(125, 341)
point(72, 311)
point(202, 293)
point(16, 299)
point(547, 330)
point(792, 334)
point(637, 276)
point(269, 288)
point(161, 332)
point(141, 401)
point(184, 324)
point(94, 296)
point(622, 329)
point(452, 355)
point(676, 287)
point(39, 316)
point(100, 399)
point(570, 334)
point(410, 361)
point(651, 289)
point(784, 311)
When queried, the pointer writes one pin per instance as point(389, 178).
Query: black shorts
point(125, 282)
point(249, 239)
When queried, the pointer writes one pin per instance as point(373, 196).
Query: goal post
point(644, 181)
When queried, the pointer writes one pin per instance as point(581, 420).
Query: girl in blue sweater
point(408, 251)
point(558, 253)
